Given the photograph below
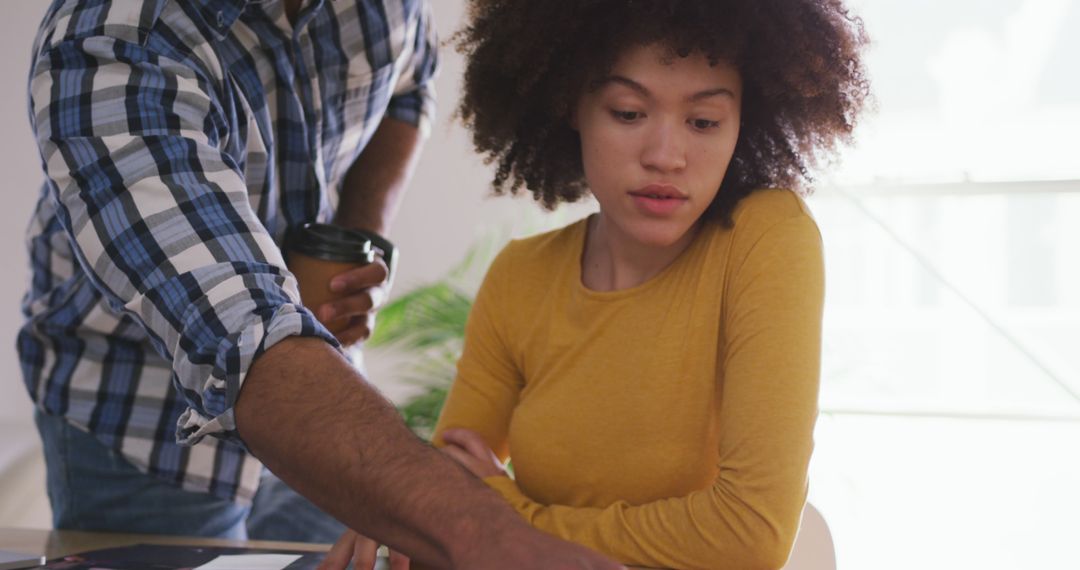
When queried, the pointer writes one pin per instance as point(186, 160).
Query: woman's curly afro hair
point(530, 60)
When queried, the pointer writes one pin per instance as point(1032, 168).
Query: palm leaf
point(427, 317)
point(422, 411)
point(429, 323)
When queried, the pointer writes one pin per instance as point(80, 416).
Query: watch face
point(386, 250)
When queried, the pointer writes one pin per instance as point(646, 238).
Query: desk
point(55, 543)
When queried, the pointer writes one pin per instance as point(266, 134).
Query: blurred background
point(951, 379)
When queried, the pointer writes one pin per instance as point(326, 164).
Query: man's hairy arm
point(375, 184)
point(316, 423)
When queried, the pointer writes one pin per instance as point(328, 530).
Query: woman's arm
point(488, 382)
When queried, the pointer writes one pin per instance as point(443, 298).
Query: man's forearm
point(317, 424)
point(375, 183)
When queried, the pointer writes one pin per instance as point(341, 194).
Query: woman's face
point(657, 135)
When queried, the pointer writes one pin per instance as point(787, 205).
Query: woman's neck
point(612, 261)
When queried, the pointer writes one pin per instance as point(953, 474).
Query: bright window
point(951, 372)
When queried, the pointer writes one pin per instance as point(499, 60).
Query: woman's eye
point(704, 124)
point(625, 116)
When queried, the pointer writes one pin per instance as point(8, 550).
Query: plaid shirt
point(181, 140)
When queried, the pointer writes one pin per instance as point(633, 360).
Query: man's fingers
point(398, 561)
point(360, 303)
point(361, 277)
point(364, 553)
point(360, 328)
point(340, 554)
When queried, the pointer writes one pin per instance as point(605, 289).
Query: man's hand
point(525, 554)
point(367, 289)
point(361, 551)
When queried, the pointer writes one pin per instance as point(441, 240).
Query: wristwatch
point(384, 248)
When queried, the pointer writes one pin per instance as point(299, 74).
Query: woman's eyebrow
point(644, 91)
point(717, 92)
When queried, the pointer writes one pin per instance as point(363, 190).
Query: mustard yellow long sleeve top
point(668, 425)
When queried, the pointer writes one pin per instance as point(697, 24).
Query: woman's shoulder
point(774, 215)
point(529, 268)
point(770, 206)
point(543, 250)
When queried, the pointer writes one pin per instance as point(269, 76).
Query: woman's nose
point(664, 148)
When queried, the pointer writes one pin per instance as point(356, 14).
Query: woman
point(652, 370)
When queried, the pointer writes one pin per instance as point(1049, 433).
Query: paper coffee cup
point(315, 254)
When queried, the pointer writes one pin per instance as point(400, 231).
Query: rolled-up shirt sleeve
point(159, 218)
point(413, 100)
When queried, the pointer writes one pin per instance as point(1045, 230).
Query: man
point(181, 141)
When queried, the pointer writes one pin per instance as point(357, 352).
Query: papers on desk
point(177, 557)
point(250, 562)
point(12, 560)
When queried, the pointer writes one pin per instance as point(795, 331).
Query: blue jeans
point(92, 487)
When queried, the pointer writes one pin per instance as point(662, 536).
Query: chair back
point(813, 548)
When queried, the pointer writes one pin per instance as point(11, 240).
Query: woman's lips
point(658, 199)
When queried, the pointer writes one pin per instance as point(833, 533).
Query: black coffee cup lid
point(331, 243)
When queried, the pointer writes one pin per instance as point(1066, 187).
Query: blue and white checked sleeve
point(414, 95)
point(159, 217)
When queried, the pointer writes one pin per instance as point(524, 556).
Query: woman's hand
point(361, 551)
point(367, 289)
point(468, 448)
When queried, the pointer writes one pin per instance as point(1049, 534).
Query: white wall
point(20, 165)
point(22, 489)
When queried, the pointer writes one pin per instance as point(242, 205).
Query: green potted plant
point(428, 322)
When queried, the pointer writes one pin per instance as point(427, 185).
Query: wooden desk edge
point(54, 543)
